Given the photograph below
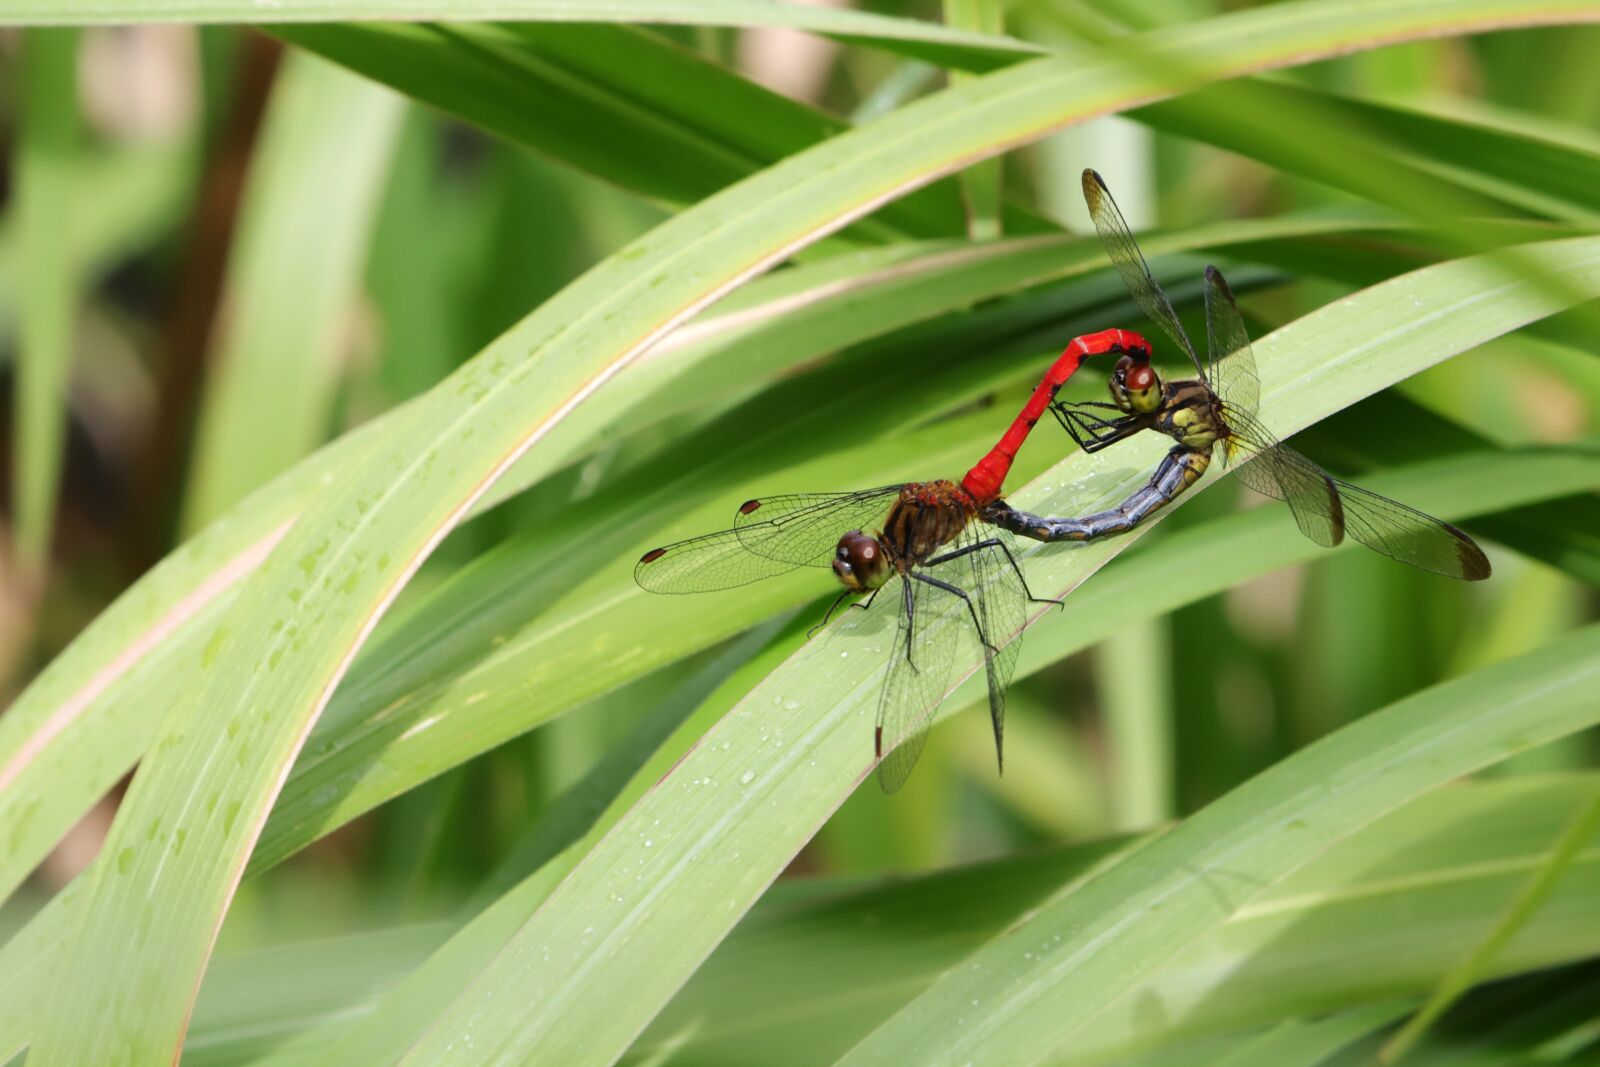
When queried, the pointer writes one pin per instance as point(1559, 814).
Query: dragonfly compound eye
point(859, 562)
point(1142, 386)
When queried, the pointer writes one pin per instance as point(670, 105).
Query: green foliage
point(424, 777)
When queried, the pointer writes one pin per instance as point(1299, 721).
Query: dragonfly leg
point(1092, 433)
point(971, 610)
point(1181, 468)
point(993, 543)
point(1070, 426)
point(835, 607)
point(911, 621)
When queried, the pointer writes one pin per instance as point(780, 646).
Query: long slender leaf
point(680, 127)
point(307, 213)
point(1537, 174)
point(1530, 897)
point(981, 184)
point(930, 41)
point(1095, 942)
point(800, 980)
point(48, 166)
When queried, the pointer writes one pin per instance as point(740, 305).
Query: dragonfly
point(1218, 406)
point(956, 574)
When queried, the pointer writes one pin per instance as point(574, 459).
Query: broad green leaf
point(1532, 896)
point(1079, 954)
point(263, 1003)
point(1296, 1043)
point(730, 816)
point(292, 280)
point(804, 977)
point(680, 127)
point(48, 167)
point(981, 183)
point(1136, 695)
point(1534, 173)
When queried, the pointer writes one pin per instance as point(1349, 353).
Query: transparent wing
point(1387, 526)
point(1410, 536)
point(1001, 600)
point(1276, 470)
point(1130, 263)
point(774, 535)
point(803, 528)
point(922, 663)
point(1233, 367)
point(988, 609)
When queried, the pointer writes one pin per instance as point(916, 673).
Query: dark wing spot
point(1474, 564)
point(652, 555)
point(877, 741)
point(748, 506)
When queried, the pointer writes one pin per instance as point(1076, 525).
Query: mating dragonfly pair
point(949, 543)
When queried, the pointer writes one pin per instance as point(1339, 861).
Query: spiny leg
point(1100, 433)
point(1084, 427)
point(971, 610)
point(995, 542)
point(911, 620)
point(834, 607)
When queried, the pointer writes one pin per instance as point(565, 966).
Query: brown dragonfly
point(1218, 406)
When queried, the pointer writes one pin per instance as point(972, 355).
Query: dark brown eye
point(1140, 378)
point(859, 562)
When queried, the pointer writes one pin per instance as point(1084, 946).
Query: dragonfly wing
point(1326, 508)
point(1001, 602)
point(792, 531)
point(1130, 263)
point(921, 664)
point(802, 529)
point(1276, 470)
point(1410, 536)
point(1233, 366)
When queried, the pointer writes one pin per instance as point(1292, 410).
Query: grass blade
point(48, 165)
point(1532, 895)
point(927, 40)
point(1095, 942)
point(293, 276)
point(803, 978)
point(680, 127)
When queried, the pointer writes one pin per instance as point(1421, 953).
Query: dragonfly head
point(1135, 385)
point(860, 562)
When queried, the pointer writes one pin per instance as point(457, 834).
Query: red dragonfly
point(923, 533)
point(1218, 407)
